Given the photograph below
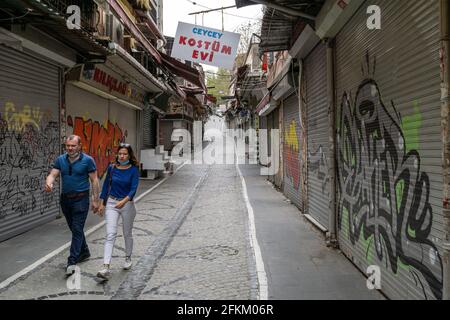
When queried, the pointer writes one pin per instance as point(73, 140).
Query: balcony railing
point(88, 11)
point(150, 8)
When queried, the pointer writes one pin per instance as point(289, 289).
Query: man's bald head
point(74, 137)
point(73, 146)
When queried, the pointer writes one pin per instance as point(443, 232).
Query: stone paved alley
point(192, 241)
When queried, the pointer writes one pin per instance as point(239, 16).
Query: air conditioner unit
point(114, 29)
point(109, 25)
point(119, 34)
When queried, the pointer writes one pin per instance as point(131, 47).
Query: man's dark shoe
point(83, 257)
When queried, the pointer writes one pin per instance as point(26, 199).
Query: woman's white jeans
point(128, 212)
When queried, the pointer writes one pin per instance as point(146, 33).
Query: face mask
point(124, 163)
point(74, 154)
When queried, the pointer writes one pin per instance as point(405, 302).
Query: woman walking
point(118, 191)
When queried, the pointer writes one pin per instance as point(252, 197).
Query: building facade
point(364, 132)
point(95, 76)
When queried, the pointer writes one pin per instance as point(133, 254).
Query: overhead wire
point(230, 14)
point(14, 18)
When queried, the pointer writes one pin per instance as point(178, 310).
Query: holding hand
point(48, 187)
point(95, 205)
point(101, 209)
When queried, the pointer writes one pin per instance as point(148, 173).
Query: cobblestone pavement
point(191, 241)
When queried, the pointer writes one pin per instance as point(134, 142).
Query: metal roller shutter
point(29, 141)
point(153, 130)
point(277, 178)
point(262, 124)
point(165, 134)
point(389, 180)
point(292, 187)
point(317, 124)
point(147, 128)
point(269, 140)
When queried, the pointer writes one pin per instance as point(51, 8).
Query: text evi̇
point(214, 46)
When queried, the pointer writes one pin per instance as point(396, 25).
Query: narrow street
point(192, 240)
point(284, 149)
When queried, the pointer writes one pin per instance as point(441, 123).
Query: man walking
point(76, 169)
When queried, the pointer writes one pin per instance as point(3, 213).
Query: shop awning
point(263, 103)
point(184, 71)
point(134, 69)
point(192, 90)
point(193, 101)
point(272, 105)
point(244, 3)
point(284, 20)
point(175, 90)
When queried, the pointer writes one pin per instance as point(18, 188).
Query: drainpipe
point(331, 236)
point(445, 104)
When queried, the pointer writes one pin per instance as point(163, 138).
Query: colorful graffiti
point(28, 146)
point(383, 196)
point(292, 154)
point(98, 141)
point(318, 165)
point(18, 120)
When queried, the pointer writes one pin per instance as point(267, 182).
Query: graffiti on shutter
point(383, 197)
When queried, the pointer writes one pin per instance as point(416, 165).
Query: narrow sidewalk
point(25, 249)
point(298, 264)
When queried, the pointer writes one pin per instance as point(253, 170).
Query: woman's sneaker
point(127, 264)
point(104, 273)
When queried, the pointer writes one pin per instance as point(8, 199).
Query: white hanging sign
point(205, 45)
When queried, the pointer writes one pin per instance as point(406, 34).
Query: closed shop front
point(262, 148)
point(103, 119)
point(292, 186)
point(273, 123)
point(269, 140)
point(389, 181)
point(179, 115)
point(165, 132)
point(317, 129)
point(147, 129)
point(277, 178)
point(29, 140)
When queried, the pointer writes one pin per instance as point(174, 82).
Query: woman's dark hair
point(133, 160)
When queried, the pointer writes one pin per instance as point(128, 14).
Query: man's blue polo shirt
point(77, 178)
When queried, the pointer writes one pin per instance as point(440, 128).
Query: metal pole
point(332, 234)
point(210, 10)
point(286, 10)
point(223, 28)
point(445, 105)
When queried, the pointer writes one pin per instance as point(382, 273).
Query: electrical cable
point(14, 18)
point(230, 14)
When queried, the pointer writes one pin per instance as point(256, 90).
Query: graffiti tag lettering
point(98, 141)
point(292, 154)
point(383, 195)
